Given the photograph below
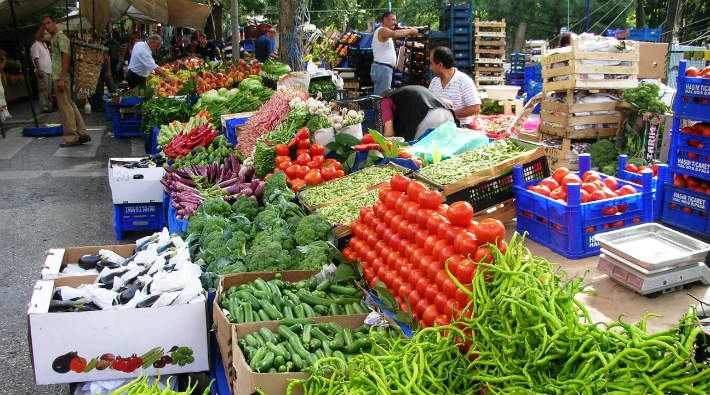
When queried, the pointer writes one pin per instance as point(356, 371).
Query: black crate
point(361, 60)
point(370, 105)
point(338, 94)
point(499, 189)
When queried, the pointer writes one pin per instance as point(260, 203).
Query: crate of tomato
point(692, 98)
point(565, 211)
point(690, 149)
point(631, 172)
point(686, 204)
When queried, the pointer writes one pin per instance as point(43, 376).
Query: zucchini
point(306, 335)
point(282, 368)
point(310, 313)
point(291, 297)
point(260, 354)
point(342, 290)
point(357, 308)
point(318, 334)
point(349, 309)
point(314, 344)
point(313, 300)
point(319, 354)
point(348, 336)
point(326, 349)
point(260, 284)
point(263, 365)
point(321, 310)
point(269, 336)
point(294, 321)
point(279, 361)
point(249, 352)
point(286, 310)
point(323, 286)
point(335, 309)
point(299, 311)
point(263, 316)
point(272, 370)
point(247, 312)
point(260, 339)
point(356, 346)
point(251, 341)
point(339, 354)
point(270, 310)
point(297, 361)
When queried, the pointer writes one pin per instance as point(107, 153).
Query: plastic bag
point(449, 141)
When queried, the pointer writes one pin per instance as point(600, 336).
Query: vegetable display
point(155, 357)
point(217, 151)
point(170, 131)
point(467, 163)
point(273, 70)
point(249, 237)
point(346, 210)
point(321, 85)
point(405, 239)
point(350, 184)
point(646, 97)
point(277, 299)
point(191, 186)
point(232, 101)
point(299, 344)
point(271, 114)
point(140, 386)
point(161, 111)
point(183, 144)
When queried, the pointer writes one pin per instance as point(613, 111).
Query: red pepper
point(374, 146)
point(360, 147)
point(293, 142)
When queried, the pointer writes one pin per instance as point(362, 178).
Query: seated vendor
point(454, 87)
point(410, 110)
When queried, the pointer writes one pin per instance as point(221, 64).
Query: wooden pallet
point(492, 41)
point(485, 69)
point(564, 123)
point(495, 52)
point(489, 60)
point(569, 64)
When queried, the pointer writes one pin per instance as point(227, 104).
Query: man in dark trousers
point(262, 48)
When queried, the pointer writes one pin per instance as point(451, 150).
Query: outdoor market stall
point(329, 259)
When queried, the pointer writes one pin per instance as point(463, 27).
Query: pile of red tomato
point(639, 169)
point(407, 236)
point(692, 183)
point(309, 166)
point(593, 188)
point(694, 72)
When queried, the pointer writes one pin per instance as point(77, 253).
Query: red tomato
point(396, 284)
point(609, 193)
point(379, 209)
point(304, 144)
point(303, 159)
point(400, 203)
point(611, 183)
point(447, 231)
point(430, 242)
point(483, 254)
point(429, 315)
point(421, 286)
point(450, 306)
point(313, 177)
point(320, 159)
point(460, 213)
point(302, 171)
point(591, 176)
point(423, 216)
point(610, 210)
point(550, 183)
point(414, 276)
point(366, 212)
point(357, 227)
point(283, 166)
point(391, 199)
point(383, 192)
point(441, 300)
point(379, 247)
point(449, 288)
point(399, 182)
point(421, 306)
point(409, 249)
point(292, 171)
point(429, 199)
point(404, 290)
point(394, 241)
point(329, 173)
point(466, 272)
point(370, 256)
point(558, 193)
point(402, 228)
point(617, 224)
point(433, 223)
point(570, 179)
point(589, 187)
point(622, 208)
point(442, 320)
point(461, 297)
point(597, 195)
point(281, 159)
point(441, 210)
point(368, 139)
point(414, 298)
point(542, 190)
point(632, 168)
point(282, 150)
point(465, 243)
point(687, 210)
point(317, 149)
point(414, 189)
point(691, 72)
point(489, 230)
point(453, 263)
point(627, 190)
point(559, 174)
point(371, 238)
point(409, 211)
point(586, 196)
point(333, 163)
point(445, 253)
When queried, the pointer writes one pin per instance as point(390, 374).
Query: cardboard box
point(120, 332)
point(652, 59)
point(274, 383)
point(58, 258)
point(143, 186)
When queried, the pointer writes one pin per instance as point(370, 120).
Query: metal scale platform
point(652, 259)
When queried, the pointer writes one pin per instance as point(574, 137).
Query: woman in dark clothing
point(410, 110)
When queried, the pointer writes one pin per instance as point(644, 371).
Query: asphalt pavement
point(50, 197)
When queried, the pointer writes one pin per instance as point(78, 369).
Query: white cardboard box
point(135, 190)
point(57, 258)
point(120, 332)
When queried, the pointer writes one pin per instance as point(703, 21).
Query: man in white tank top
point(384, 56)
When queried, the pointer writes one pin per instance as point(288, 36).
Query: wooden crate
point(564, 157)
point(535, 49)
point(489, 28)
point(561, 115)
point(489, 41)
point(517, 127)
point(569, 64)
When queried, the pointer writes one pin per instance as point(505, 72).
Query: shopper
point(384, 56)
point(142, 63)
point(206, 50)
point(453, 86)
point(262, 48)
point(105, 80)
point(4, 114)
point(410, 110)
point(72, 122)
point(43, 69)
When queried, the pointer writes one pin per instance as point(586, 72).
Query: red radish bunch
point(271, 114)
point(408, 238)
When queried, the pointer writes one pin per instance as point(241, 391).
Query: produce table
point(609, 299)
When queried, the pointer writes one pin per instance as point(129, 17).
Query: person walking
point(384, 56)
point(4, 113)
point(452, 86)
point(73, 124)
point(262, 48)
point(142, 62)
point(43, 69)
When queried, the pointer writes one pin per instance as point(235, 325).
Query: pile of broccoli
point(247, 237)
point(604, 156)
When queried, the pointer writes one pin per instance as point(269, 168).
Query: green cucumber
point(265, 364)
point(343, 290)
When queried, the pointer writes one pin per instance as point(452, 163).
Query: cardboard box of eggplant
point(109, 344)
point(237, 371)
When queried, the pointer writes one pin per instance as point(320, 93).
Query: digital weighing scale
point(652, 259)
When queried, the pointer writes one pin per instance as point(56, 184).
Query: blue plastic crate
point(692, 98)
point(130, 101)
point(110, 108)
point(638, 179)
point(461, 31)
point(614, 32)
point(231, 128)
point(126, 124)
point(463, 64)
point(462, 55)
point(569, 229)
point(685, 158)
point(43, 131)
point(461, 39)
point(686, 209)
point(137, 216)
point(646, 34)
point(151, 142)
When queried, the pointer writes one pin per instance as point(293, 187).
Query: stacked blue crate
point(532, 83)
point(687, 206)
point(458, 29)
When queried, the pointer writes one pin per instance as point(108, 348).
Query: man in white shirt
point(43, 69)
point(453, 86)
point(142, 63)
point(384, 56)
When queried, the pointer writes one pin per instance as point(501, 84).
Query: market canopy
point(23, 8)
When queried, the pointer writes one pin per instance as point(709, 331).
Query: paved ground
point(50, 197)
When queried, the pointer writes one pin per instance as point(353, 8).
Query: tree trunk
point(287, 9)
point(519, 37)
point(217, 18)
point(640, 14)
point(670, 30)
point(209, 27)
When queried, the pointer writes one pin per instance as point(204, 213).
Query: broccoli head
point(237, 244)
point(269, 219)
point(216, 206)
point(196, 224)
point(313, 256)
point(214, 224)
point(246, 206)
point(277, 182)
point(311, 228)
point(602, 153)
point(241, 224)
point(267, 256)
point(278, 235)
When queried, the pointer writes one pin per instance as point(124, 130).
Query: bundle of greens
point(162, 111)
point(265, 149)
point(646, 97)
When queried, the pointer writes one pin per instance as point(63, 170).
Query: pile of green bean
point(531, 336)
point(429, 363)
